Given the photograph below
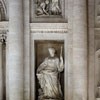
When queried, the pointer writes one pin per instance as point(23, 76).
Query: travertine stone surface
point(79, 50)
point(70, 50)
point(15, 50)
point(26, 50)
point(91, 44)
point(1, 77)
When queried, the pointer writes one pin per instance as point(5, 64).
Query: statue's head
point(51, 51)
point(47, 1)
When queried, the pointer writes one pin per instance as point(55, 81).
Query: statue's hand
point(61, 58)
point(61, 61)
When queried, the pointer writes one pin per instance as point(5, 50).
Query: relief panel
point(48, 7)
point(48, 10)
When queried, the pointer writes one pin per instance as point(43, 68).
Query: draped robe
point(47, 74)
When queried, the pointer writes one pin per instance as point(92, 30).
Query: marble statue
point(48, 7)
point(47, 74)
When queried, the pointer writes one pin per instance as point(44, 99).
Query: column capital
point(3, 36)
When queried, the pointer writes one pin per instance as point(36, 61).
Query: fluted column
point(79, 50)
point(1, 77)
point(15, 50)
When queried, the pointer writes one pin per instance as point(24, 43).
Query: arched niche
point(97, 74)
point(3, 10)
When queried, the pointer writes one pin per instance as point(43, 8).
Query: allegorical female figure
point(47, 74)
point(55, 8)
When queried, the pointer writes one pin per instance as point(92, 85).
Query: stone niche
point(97, 74)
point(41, 40)
point(41, 53)
point(49, 11)
point(97, 13)
point(4, 10)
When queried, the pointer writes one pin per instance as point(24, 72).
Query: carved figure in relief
point(48, 7)
point(47, 74)
point(55, 8)
point(43, 8)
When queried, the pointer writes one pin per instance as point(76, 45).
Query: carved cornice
point(49, 31)
point(48, 28)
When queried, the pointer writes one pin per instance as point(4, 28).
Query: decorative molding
point(4, 25)
point(48, 28)
point(46, 31)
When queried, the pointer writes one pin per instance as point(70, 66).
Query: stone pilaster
point(1, 74)
point(79, 50)
point(26, 4)
point(14, 56)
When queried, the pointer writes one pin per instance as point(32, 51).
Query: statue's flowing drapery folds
point(48, 76)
